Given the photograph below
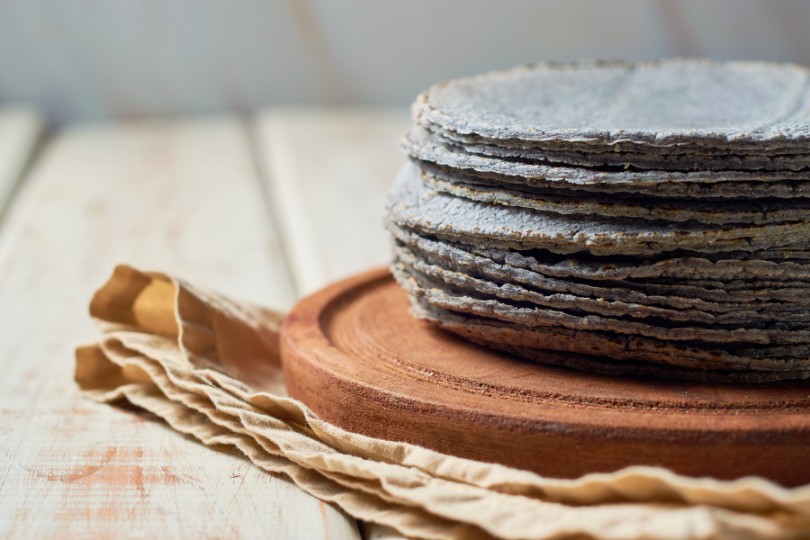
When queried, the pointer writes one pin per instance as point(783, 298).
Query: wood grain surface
point(328, 172)
point(180, 196)
point(355, 354)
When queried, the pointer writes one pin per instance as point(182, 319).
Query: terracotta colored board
point(180, 196)
point(357, 357)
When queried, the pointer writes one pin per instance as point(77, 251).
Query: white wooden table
point(266, 208)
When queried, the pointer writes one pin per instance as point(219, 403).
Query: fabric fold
point(209, 366)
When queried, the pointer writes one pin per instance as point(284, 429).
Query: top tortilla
point(755, 107)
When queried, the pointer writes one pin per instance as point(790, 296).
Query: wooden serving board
point(355, 355)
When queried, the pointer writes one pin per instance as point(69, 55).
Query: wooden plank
point(20, 132)
point(176, 196)
point(380, 532)
point(328, 171)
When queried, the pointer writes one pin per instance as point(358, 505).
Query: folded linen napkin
point(210, 367)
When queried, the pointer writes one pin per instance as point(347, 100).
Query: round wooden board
point(357, 357)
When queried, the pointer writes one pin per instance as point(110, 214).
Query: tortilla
point(618, 348)
point(690, 110)
point(412, 205)
point(436, 294)
point(757, 212)
point(450, 259)
point(613, 304)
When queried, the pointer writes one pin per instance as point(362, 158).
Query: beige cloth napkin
point(209, 366)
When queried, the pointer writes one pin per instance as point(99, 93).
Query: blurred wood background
point(82, 60)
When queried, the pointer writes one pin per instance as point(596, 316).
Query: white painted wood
point(20, 132)
point(380, 532)
point(328, 172)
point(180, 196)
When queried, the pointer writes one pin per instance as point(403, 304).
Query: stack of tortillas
point(623, 218)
